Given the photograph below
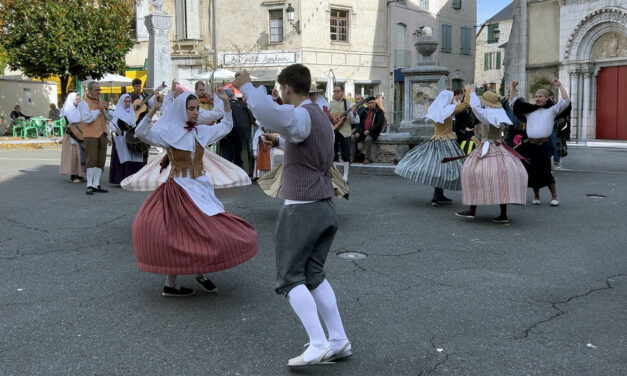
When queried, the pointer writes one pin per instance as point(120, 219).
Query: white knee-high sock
point(170, 280)
point(304, 306)
point(90, 177)
point(97, 173)
point(327, 306)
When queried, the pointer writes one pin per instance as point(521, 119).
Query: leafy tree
point(65, 37)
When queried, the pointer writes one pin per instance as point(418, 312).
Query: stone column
point(159, 67)
point(574, 99)
point(585, 115)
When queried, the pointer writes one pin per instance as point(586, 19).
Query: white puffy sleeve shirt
point(540, 122)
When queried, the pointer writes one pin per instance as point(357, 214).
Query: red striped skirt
point(172, 236)
point(497, 178)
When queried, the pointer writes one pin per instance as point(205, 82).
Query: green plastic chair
point(30, 129)
point(18, 127)
point(41, 125)
point(58, 125)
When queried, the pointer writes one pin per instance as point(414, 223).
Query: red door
point(612, 103)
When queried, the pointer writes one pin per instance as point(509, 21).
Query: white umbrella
point(114, 80)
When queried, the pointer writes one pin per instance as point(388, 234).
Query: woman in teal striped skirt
point(423, 164)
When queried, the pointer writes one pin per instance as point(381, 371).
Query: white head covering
point(441, 108)
point(486, 114)
point(70, 109)
point(127, 115)
point(321, 102)
point(171, 126)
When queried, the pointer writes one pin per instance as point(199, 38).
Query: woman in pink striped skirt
point(182, 227)
point(493, 173)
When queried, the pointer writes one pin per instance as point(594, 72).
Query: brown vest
point(182, 161)
point(306, 165)
point(96, 128)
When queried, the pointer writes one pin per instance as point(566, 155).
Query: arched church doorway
point(611, 111)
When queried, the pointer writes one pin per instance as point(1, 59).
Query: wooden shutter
point(498, 60)
point(179, 19)
point(486, 58)
point(192, 19)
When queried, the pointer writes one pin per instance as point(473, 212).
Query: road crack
point(561, 312)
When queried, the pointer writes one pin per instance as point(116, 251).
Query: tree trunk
point(64, 81)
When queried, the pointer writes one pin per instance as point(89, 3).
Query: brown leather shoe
point(367, 161)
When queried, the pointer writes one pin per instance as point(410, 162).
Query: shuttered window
point(187, 19)
point(491, 60)
point(466, 39)
point(447, 31)
point(491, 36)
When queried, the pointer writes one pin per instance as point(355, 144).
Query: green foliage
point(540, 84)
point(65, 37)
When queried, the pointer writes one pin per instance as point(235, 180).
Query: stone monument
point(159, 66)
point(422, 84)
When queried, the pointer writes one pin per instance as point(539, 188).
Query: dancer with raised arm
point(307, 223)
point(182, 228)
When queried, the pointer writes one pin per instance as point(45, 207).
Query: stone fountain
point(159, 64)
point(422, 84)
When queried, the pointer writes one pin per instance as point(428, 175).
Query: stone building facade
point(492, 39)
point(584, 43)
point(359, 44)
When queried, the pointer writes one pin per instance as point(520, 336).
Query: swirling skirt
point(171, 235)
point(497, 178)
point(423, 164)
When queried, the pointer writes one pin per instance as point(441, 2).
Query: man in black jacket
point(370, 125)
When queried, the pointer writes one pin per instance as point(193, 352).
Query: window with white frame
point(187, 13)
point(276, 25)
point(424, 4)
point(339, 25)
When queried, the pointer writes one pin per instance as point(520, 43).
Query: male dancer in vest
point(94, 117)
point(307, 223)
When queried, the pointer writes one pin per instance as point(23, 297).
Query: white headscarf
point(127, 115)
point(321, 102)
point(485, 114)
point(171, 126)
point(441, 108)
point(70, 109)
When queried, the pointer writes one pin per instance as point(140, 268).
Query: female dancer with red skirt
point(182, 227)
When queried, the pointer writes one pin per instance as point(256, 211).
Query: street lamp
point(290, 18)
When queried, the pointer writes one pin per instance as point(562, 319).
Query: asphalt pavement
point(435, 294)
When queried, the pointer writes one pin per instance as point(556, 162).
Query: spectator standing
point(370, 126)
point(206, 100)
point(343, 130)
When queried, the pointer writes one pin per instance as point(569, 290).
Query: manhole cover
point(350, 255)
point(594, 195)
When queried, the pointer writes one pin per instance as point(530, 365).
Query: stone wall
point(483, 47)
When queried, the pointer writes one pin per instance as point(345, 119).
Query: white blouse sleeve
point(209, 116)
point(87, 115)
point(224, 127)
point(560, 106)
point(293, 123)
point(480, 113)
point(144, 132)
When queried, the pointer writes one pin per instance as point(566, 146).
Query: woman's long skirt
point(171, 235)
point(497, 178)
point(423, 164)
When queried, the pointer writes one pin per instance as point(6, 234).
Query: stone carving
point(610, 45)
point(157, 4)
point(141, 11)
point(159, 65)
point(423, 95)
point(589, 22)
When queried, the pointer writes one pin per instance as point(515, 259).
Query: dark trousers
point(303, 234)
point(342, 144)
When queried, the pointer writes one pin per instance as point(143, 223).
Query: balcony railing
point(402, 58)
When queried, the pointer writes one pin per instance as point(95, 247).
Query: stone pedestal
point(159, 66)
